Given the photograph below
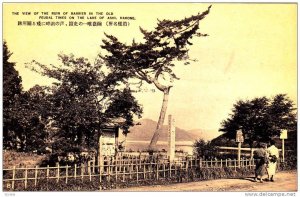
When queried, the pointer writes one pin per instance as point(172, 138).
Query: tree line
point(261, 119)
point(68, 115)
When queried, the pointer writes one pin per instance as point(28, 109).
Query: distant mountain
point(206, 134)
point(145, 130)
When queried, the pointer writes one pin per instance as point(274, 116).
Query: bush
point(13, 158)
point(290, 163)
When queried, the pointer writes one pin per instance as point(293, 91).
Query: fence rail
point(120, 170)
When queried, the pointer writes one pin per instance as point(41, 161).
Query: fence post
point(235, 165)
point(180, 172)
point(116, 163)
point(115, 166)
point(157, 168)
point(116, 171)
point(144, 171)
point(47, 173)
point(124, 169)
point(170, 169)
point(57, 174)
point(175, 168)
point(164, 168)
point(81, 171)
point(89, 167)
point(226, 164)
point(100, 175)
point(89, 170)
point(186, 168)
point(200, 163)
point(67, 174)
point(94, 165)
point(130, 177)
point(108, 171)
point(221, 163)
point(186, 164)
point(75, 173)
point(25, 183)
point(137, 172)
point(140, 161)
point(13, 177)
point(35, 175)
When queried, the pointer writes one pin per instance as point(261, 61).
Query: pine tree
point(12, 89)
point(154, 58)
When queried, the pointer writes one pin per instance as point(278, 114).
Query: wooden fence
point(132, 169)
point(245, 151)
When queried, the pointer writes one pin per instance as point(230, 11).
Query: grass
point(19, 159)
point(180, 176)
point(12, 158)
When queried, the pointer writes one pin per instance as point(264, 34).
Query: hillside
point(144, 132)
point(205, 133)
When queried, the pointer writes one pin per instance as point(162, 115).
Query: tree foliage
point(33, 119)
point(205, 150)
point(261, 119)
point(23, 111)
point(84, 100)
point(153, 58)
point(12, 89)
point(12, 82)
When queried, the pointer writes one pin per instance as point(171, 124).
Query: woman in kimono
point(273, 155)
point(260, 156)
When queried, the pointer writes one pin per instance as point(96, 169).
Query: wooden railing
point(132, 169)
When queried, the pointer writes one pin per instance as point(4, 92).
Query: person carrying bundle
point(261, 158)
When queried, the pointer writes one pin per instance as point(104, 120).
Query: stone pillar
point(171, 138)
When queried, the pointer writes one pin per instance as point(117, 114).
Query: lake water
point(186, 146)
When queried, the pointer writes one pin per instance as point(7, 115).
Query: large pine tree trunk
point(161, 119)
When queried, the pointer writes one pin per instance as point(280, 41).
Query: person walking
point(273, 155)
point(260, 156)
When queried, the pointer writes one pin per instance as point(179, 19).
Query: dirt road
point(284, 182)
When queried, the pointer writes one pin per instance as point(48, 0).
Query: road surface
point(284, 182)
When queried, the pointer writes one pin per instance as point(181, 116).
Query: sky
point(251, 51)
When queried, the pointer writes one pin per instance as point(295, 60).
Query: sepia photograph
point(118, 97)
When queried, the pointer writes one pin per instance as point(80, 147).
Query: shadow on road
point(251, 179)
